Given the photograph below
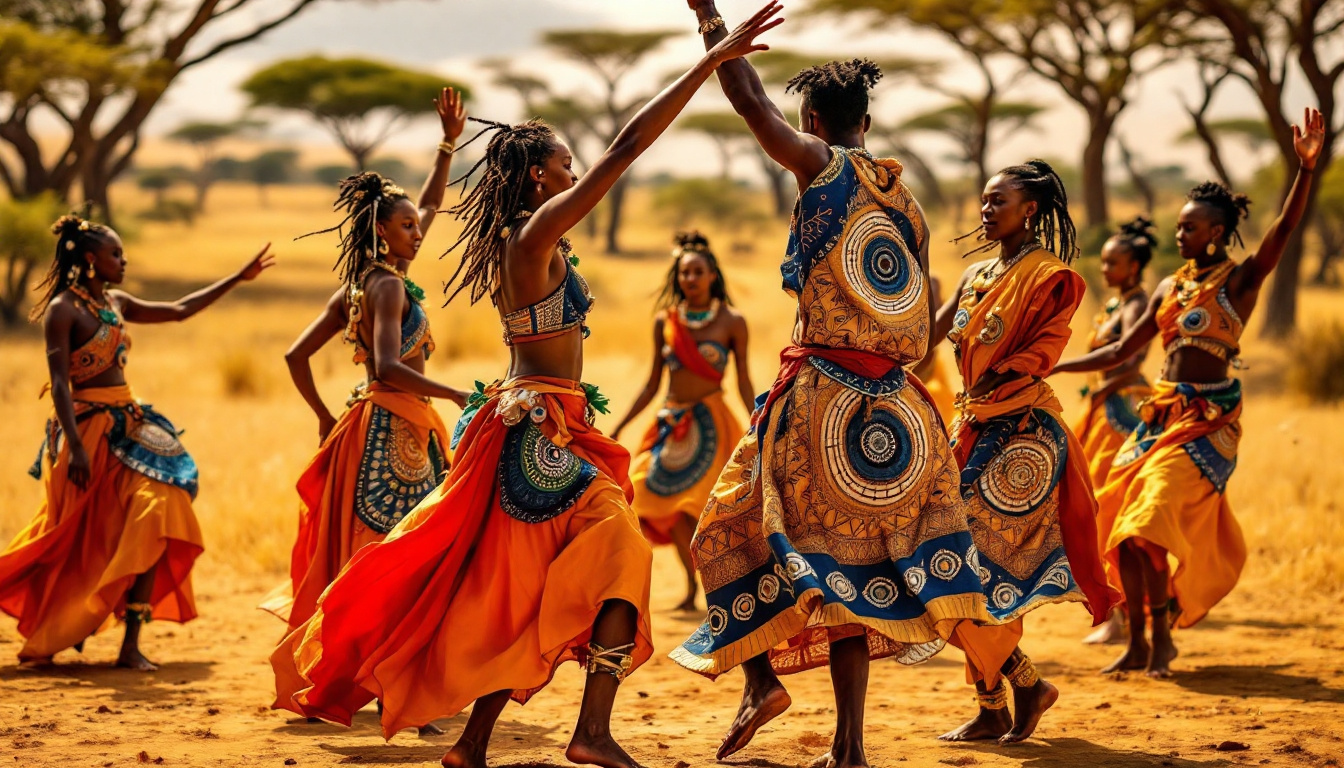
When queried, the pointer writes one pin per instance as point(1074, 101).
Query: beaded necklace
point(1189, 279)
point(1116, 302)
point(984, 279)
point(695, 319)
point(100, 308)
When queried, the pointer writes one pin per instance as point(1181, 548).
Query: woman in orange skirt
point(115, 537)
point(1174, 544)
point(694, 433)
point(932, 369)
point(528, 554)
point(1113, 396)
point(389, 449)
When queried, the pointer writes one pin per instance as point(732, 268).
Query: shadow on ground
point(172, 679)
point(1259, 681)
point(1072, 753)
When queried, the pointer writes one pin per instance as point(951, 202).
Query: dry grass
point(251, 449)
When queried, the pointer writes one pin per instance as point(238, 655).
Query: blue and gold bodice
point(565, 308)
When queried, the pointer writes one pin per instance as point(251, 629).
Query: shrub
point(1316, 368)
point(240, 375)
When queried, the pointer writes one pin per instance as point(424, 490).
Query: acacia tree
point(1267, 44)
point(611, 56)
point(1091, 49)
point(361, 102)
point(204, 137)
point(100, 67)
point(972, 131)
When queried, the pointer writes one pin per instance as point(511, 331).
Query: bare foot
point(987, 724)
point(136, 660)
point(36, 665)
point(758, 708)
point(1111, 633)
point(1135, 657)
point(430, 729)
point(825, 761)
point(1164, 652)
point(464, 755)
point(602, 751)
point(1029, 705)
point(845, 755)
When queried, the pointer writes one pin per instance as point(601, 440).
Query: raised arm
point(56, 327)
point(804, 155)
point(1135, 339)
point(387, 294)
point(651, 386)
point(562, 212)
point(299, 359)
point(745, 390)
point(1308, 142)
point(453, 117)
point(137, 310)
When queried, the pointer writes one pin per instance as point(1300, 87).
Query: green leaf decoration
point(414, 290)
point(596, 399)
point(573, 260)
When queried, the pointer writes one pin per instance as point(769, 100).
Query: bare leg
point(990, 722)
point(1164, 649)
point(592, 743)
point(142, 589)
point(469, 751)
point(849, 680)
point(1115, 630)
point(682, 533)
point(1133, 579)
point(763, 699)
point(1032, 696)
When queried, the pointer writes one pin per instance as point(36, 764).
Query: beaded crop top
point(1197, 312)
point(415, 335)
point(105, 351)
point(566, 308)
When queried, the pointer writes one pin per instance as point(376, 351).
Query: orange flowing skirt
point(674, 474)
point(387, 452)
point(464, 598)
point(1105, 426)
point(65, 576)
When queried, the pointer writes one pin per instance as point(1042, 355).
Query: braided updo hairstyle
point(1140, 237)
point(837, 91)
point(495, 202)
point(691, 242)
point(75, 237)
point(366, 198)
point(1231, 206)
point(1041, 184)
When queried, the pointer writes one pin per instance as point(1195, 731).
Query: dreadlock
point(495, 202)
point(837, 91)
point(1043, 186)
point(1140, 237)
point(75, 236)
point(1232, 207)
point(691, 242)
point(366, 198)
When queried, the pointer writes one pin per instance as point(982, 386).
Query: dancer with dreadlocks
point(1164, 498)
point(1113, 396)
point(693, 435)
point(835, 534)
point(528, 554)
point(115, 537)
point(389, 449)
point(1023, 472)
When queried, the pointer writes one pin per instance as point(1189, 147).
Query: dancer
point(1022, 470)
point(389, 449)
point(1165, 498)
point(932, 370)
point(1113, 396)
point(527, 555)
point(693, 435)
point(115, 537)
point(835, 534)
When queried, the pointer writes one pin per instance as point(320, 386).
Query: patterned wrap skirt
point(1105, 426)
point(65, 576)
point(838, 518)
point(1167, 489)
point(678, 463)
point(492, 582)
point(385, 455)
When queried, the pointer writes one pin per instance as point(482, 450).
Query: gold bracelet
point(447, 147)
point(709, 25)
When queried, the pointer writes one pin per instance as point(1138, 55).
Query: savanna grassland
point(1264, 672)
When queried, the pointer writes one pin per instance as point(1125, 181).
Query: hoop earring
point(383, 247)
point(1211, 248)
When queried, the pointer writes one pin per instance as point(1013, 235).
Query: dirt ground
point(1258, 683)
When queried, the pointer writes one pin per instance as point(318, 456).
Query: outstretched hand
point(452, 114)
point(1309, 139)
point(263, 261)
point(742, 41)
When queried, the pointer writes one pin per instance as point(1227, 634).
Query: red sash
point(687, 350)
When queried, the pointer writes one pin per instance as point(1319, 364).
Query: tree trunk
point(1094, 169)
point(202, 188)
point(930, 186)
point(1141, 184)
point(615, 203)
point(16, 290)
point(776, 178)
point(979, 147)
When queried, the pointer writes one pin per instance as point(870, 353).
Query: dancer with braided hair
point(115, 537)
point(389, 449)
point(528, 554)
point(1113, 396)
point(690, 440)
point(1174, 545)
point(1023, 473)
point(835, 534)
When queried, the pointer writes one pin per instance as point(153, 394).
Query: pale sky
point(449, 36)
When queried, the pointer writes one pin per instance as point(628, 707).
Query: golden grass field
point(1267, 668)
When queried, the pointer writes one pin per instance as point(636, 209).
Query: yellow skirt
point(678, 463)
point(1105, 426)
point(65, 576)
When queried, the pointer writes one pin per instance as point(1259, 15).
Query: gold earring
point(383, 247)
point(72, 274)
point(1211, 248)
point(90, 272)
